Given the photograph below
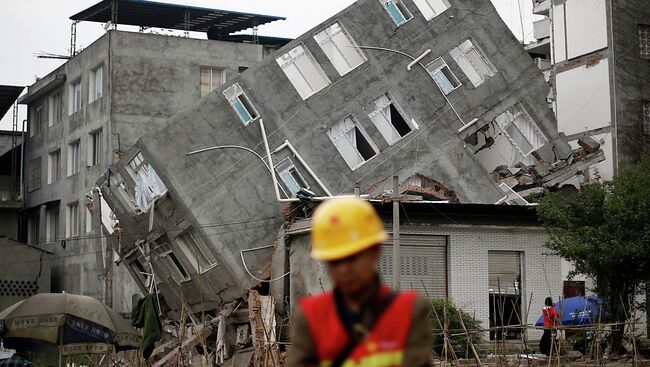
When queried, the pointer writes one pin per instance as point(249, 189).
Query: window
point(75, 96)
point(352, 142)
point(52, 224)
point(242, 69)
point(95, 83)
point(95, 148)
point(241, 104)
point(387, 119)
point(644, 41)
point(397, 11)
point(56, 108)
point(211, 79)
point(89, 220)
point(73, 157)
point(646, 118)
point(136, 162)
point(35, 174)
point(520, 130)
point(473, 63)
point(54, 166)
point(442, 75)
point(290, 176)
point(195, 248)
point(303, 72)
point(37, 119)
point(431, 8)
point(169, 263)
point(72, 220)
point(340, 49)
point(33, 229)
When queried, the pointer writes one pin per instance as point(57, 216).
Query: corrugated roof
point(8, 95)
point(172, 16)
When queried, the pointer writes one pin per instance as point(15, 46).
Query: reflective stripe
point(381, 359)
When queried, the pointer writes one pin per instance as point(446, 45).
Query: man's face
point(353, 274)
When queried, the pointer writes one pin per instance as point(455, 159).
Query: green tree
point(445, 315)
point(604, 231)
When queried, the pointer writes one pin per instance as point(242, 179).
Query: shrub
point(459, 343)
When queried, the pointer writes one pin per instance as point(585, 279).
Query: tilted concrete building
point(84, 115)
point(438, 92)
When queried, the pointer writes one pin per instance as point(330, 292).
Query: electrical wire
point(241, 253)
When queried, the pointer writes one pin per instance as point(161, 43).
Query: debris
point(588, 144)
point(545, 153)
point(542, 169)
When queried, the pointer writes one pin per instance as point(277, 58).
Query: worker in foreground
point(361, 322)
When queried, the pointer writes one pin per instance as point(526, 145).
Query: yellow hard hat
point(343, 227)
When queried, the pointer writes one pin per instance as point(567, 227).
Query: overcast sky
point(30, 27)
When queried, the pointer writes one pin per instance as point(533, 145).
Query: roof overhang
point(42, 87)
point(8, 95)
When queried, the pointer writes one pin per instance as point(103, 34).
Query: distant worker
point(551, 317)
point(18, 359)
point(361, 322)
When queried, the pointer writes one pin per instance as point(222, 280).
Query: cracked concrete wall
point(15, 279)
point(233, 186)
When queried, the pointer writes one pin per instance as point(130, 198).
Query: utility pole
point(396, 258)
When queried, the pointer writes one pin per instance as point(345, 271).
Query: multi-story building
point(600, 56)
point(438, 92)
point(84, 115)
point(10, 158)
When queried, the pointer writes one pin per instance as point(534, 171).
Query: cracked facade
point(445, 97)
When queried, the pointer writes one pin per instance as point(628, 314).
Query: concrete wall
point(579, 28)
point(25, 271)
point(146, 79)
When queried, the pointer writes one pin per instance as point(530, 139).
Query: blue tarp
point(580, 310)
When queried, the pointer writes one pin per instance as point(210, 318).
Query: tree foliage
point(604, 231)
point(445, 315)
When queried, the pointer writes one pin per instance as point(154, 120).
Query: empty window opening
point(388, 120)
point(96, 147)
point(520, 130)
point(54, 166)
point(340, 48)
point(352, 142)
point(74, 149)
point(431, 8)
point(644, 41)
point(303, 72)
point(75, 96)
point(504, 292)
point(95, 84)
point(72, 220)
point(397, 11)
point(211, 79)
point(197, 249)
point(241, 104)
point(473, 62)
point(170, 263)
point(288, 173)
point(34, 174)
point(443, 76)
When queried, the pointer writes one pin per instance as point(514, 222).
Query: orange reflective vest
point(382, 347)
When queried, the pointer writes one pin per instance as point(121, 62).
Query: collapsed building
point(437, 92)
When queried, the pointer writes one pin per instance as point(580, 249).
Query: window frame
point(371, 109)
point(237, 99)
point(55, 110)
point(400, 7)
point(72, 164)
point(456, 53)
point(52, 214)
point(167, 259)
point(440, 69)
point(511, 121)
point(328, 34)
point(51, 176)
point(286, 60)
point(286, 165)
point(96, 90)
point(365, 135)
point(211, 86)
point(75, 96)
point(72, 220)
point(421, 3)
point(95, 147)
point(198, 243)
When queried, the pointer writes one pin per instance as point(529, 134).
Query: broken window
point(387, 119)
point(352, 142)
point(443, 76)
point(473, 62)
point(290, 176)
point(520, 130)
point(74, 149)
point(169, 263)
point(303, 72)
point(397, 11)
point(210, 79)
point(646, 118)
point(241, 104)
point(195, 248)
point(340, 49)
point(431, 8)
point(72, 220)
point(644, 41)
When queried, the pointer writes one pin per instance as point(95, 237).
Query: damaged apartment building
point(84, 116)
point(437, 92)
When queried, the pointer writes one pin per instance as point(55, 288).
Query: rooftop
point(172, 16)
